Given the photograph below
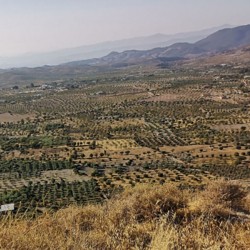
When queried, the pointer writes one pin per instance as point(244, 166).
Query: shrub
point(222, 199)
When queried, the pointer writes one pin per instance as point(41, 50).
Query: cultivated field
point(82, 141)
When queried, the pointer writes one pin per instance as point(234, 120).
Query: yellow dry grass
point(145, 217)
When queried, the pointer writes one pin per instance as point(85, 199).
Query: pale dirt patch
point(8, 117)
point(178, 149)
point(66, 174)
point(117, 144)
point(124, 123)
point(110, 144)
point(166, 98)
point(230, 127)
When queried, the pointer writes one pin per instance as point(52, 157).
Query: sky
point(28, 26)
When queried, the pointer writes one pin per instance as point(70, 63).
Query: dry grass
point(146, 217)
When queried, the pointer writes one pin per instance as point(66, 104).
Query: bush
point(222, 199)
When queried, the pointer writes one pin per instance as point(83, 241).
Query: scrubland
point(143, 217)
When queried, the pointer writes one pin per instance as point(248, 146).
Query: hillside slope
point(226, 39)
point(146, 217)
point(236, 57)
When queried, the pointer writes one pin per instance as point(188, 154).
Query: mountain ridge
point(157, 57)
point(219, 41)
point(104, 48)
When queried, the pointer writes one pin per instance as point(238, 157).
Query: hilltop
point(145, 217)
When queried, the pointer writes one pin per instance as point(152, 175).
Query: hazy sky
point(46, 25)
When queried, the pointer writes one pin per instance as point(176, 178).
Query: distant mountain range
point(217, 44)
point(102, 49)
